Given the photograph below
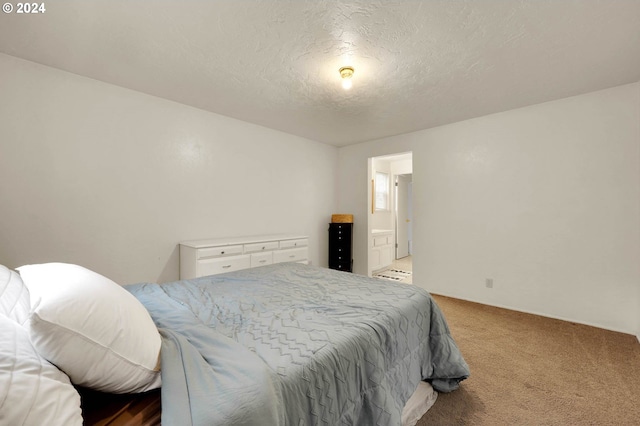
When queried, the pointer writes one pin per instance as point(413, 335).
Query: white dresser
point(215, 256)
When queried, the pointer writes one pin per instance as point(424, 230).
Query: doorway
point(390, 228)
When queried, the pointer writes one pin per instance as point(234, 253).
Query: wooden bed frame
point(145, 409)
point(105, 409)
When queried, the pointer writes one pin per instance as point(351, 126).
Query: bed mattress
point(298, 345)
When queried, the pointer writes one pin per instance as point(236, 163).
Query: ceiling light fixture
point(346, 73)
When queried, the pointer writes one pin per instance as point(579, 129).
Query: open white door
point(403, 222)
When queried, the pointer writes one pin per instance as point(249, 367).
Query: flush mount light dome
point(346, 73)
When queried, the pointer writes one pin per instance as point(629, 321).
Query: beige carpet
point(530, 370)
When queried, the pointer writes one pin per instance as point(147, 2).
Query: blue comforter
point(291, 344)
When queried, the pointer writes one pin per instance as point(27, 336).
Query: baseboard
point(638, 336)
point(510, 308)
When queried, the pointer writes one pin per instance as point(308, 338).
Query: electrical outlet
point(489, 282)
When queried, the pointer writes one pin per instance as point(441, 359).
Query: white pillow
point(92, 329)
point(32, 391)
point(14, 296)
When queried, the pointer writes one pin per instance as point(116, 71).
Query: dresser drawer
point(261, 259)
point(294, 243)
point(257, 247)
point(342, 266)
point(382, 241)
point(219, 265)
point(218, 255)
point(205, 253)
point(290, 255)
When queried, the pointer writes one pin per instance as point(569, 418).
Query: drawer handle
point(295, 244)
point(292, 255)
point(262, 261)
point(226, 266)
point(263, 247)
point(221, 252)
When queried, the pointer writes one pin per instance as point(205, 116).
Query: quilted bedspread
point(292, 344)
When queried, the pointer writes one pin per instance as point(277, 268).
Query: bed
point(288, 344)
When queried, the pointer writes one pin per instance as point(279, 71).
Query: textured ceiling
point(418, 64)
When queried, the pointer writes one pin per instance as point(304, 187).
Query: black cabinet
point(340, 246)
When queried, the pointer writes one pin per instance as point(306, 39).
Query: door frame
point(404, 165)
point(402, 218)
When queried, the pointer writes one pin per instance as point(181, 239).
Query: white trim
point(536, 313)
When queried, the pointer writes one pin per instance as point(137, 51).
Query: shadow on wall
point(171, 269)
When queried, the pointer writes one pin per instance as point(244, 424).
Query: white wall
point(113, 179)
point(544, 200)
point(402, 167)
